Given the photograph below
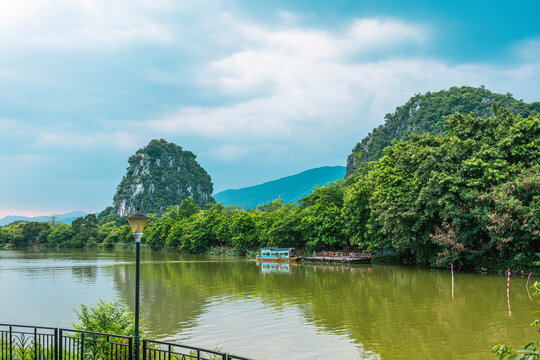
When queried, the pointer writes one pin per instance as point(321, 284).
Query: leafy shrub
point(112, 317)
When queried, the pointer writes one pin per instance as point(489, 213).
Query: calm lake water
point(303, 311)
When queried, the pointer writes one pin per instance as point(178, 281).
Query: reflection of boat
point(275, 267)
point(274, 254)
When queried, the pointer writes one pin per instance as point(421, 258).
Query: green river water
point(304, 311)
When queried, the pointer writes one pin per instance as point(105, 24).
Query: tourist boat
point(275, 254)
point(350, 258)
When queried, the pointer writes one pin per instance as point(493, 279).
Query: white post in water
point(527, 287)
point(508, 293)
point(452, 269)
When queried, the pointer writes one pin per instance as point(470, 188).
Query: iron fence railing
point(160, 350)
point(88, 345)
point(22, 342)
point(28, 342)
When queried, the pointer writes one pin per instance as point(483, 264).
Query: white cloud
point(308, 88)
point(303, 87)
point(82, 24)
point(364, 36)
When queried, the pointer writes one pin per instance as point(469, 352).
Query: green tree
point(323, 224)
point(33, 233)
point(282, 226)
point(59, 234)
point(112, 317)
point(422, 185)
point(187, 208)
point(4, 236)
point(245, 229)
point(109, 215)
point(357, 211)
point(85, 232)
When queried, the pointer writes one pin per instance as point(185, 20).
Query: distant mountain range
point(289, 189)
point(65, 218)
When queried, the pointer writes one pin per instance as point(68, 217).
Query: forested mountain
point(426, 114)
point(161, 175)
point(289, 189)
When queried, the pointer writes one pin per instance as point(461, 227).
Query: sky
point(257, 90)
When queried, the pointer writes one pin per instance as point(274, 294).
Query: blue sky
point(256, 89)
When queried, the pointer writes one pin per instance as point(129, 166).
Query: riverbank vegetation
point(469, 196)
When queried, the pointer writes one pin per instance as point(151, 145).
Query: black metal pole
point(136, 337)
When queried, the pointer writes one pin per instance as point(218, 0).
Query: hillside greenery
point(427, 114)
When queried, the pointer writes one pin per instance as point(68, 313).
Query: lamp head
point(137, 220)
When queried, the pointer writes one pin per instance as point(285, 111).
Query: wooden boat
point(350, 258)
point(274, 254)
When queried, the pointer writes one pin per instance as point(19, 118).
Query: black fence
point(159, 350)
point(21, 342)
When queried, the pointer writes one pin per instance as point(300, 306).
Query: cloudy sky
point(256, 89)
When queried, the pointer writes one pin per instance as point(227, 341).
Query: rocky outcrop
point(160, 175)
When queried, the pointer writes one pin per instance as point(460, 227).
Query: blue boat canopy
point(277, 253)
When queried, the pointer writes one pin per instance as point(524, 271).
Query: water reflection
point(527, 287)
point(331, 311)
point(280, 268)
point(86, 274)
point(382, 309)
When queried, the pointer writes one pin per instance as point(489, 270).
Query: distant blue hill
point(64, 218)
point(289, 189)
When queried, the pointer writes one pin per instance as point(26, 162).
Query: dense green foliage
point(469, 196)
point(161, 175)
point(289, 189)
point(112, 317)
point(426, 114)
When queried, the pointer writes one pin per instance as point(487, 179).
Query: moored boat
point(350, 258)
point(275, 254)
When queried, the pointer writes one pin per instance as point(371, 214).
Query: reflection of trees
point(394, 311)
point(84, 273)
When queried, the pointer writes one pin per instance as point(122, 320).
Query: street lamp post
point(137, 220)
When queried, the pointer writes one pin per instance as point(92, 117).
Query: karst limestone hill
point(160, 175)
point(426, 114)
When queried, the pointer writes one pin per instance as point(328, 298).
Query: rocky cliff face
point(160, 175)
point(426, 114)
